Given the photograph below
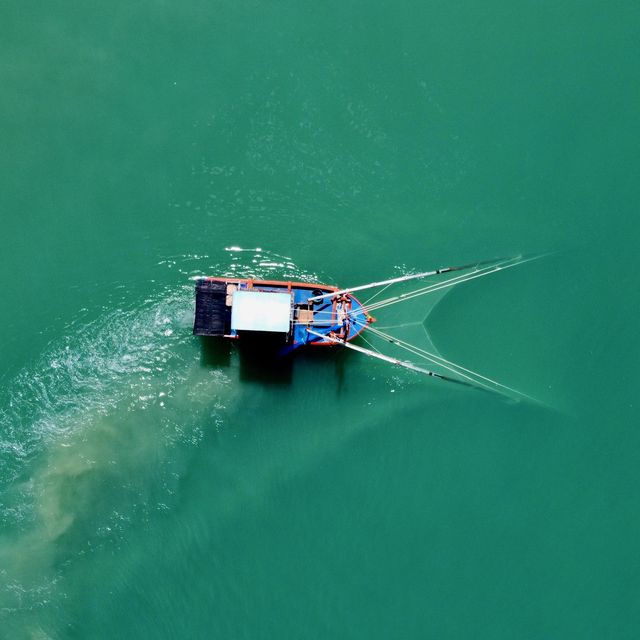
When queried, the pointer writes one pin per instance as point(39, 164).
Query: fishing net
point(406, 321)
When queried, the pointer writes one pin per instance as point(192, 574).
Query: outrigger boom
point(413, 276)
point(381, 356)
point(382, 283)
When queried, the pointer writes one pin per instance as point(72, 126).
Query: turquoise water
point(155, 488)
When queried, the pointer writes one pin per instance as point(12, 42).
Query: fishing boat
point(301, 315)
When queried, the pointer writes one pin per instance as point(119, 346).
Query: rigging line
point(416, 351)
point(454, 364)
point(420, 351)
point(400, 363)
point(431, 357)
point(429, 288)
point(404, 278)
point(414, 276)
point(448, 283)
point(375, 295)
point(369, 343)
point(455, 280)
point(501, 266)
point(404, 325)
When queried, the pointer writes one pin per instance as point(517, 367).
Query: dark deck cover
point(211, 311)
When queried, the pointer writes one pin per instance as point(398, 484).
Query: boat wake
point(86, 435)
point(97, 433)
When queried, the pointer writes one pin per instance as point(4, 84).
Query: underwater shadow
point(332, 359)
point(263, 358)
point(214, 352)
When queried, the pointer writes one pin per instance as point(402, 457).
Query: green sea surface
point(152, 486)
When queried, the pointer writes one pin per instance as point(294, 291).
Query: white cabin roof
point(261, 311)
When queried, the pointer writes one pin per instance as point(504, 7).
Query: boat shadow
point(215, 352)
point(268, 360)
point(261, 359)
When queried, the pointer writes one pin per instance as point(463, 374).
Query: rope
point(404, 325)
point(447, 283)
point(369, 343)
point(507, 264)
point(375, 295)
point(443, 362)
point(422, 291)
point(450, 366)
